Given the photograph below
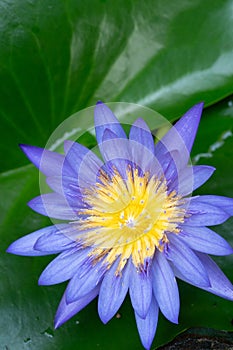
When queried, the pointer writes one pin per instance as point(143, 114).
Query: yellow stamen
point(129, 217)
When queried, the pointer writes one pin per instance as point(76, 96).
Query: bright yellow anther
point(129, 218)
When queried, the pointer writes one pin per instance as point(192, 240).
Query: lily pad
point(58, 56)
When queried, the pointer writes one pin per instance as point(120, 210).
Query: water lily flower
point(129, 222)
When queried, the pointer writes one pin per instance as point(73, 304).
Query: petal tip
point(230, 250)
point(43, 281)
point(198, 107)
point(40, 283)
point(174, 320)
point(195, 111)
point(15, 248)
point(26, 149)
point(31, 204)
point(200, 104)
point(57, 323)
point(22, 146)
point(104, 320)
point(10, 249)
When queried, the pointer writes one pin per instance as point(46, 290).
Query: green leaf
point(58, 56)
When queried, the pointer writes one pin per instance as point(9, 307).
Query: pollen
point(129, 217)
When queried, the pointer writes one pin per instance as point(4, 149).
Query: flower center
point(129, 217)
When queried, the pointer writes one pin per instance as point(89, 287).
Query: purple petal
point(85, 163)
point(55, 183)
point(68, 187)
point(181, 136)
point(191, 178)
point(147, 326)
point(224, 203)
point(112, 292)
point(64, 267)
point(165, 288)
point(140, 290)
point(55, 240)
point(220, 285)
point(170, 169)
point(186, 261)
point(25, 245)
point(54, 206)
point(105, 119)
point(79, 286)
point(66, 311)
point(201, 174)
point(63, 184)
point(140, 132)
point(169, 162)
point(205, 240)
point(108, 135)
point(75, 153)
point(204, 214)
point(187, 126)
point(49, 163)
point(115, 150)
point(144, 158)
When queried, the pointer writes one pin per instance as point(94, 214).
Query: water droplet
point(77, 322)
point(227, 134)
point(48, 333)
point(27, 340)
